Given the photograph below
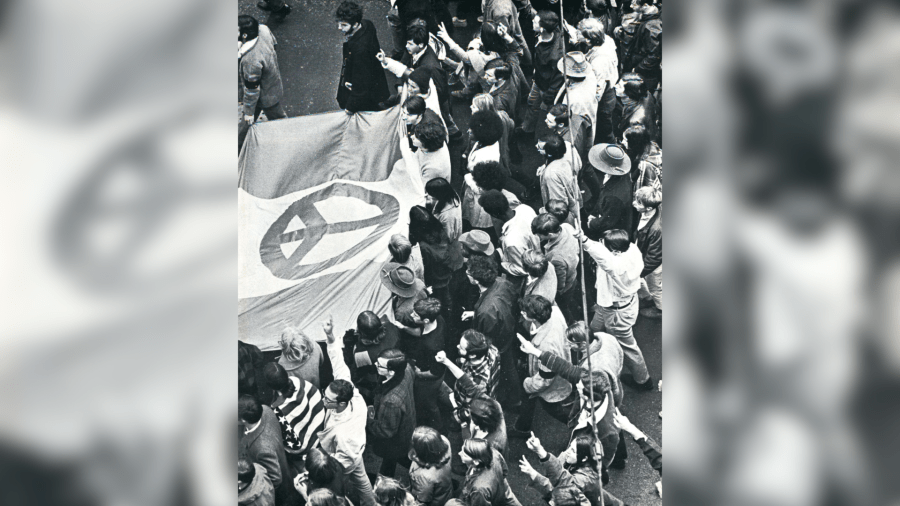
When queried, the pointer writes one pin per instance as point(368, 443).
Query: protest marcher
point(441, 256)
point(612, 210)
point(554, 393)
point(576, 468)
point(541, 279)
point(547, 77)
point(444, 203)
point(420, 351)
point(580, 95)
point(605, 63)
point(403, 253)
point(619, 265)
point(300, 356)
point(495, 315)
point(515, 233)
point(561, 249)
point(429, 474)
point(558, 176)
point(254, 487)
point(648, 239)
point(362, 85)
point(362, 345)
point(432, 154)
point(344, 435)
point(262, 443)
point(299, 410)
point(486, 479)
point(645, 49)
point(405, 290)
point(260, 87)
point(324, 471)
point(392, 416)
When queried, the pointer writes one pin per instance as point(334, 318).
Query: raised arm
point(335, 355)
point(441, 358)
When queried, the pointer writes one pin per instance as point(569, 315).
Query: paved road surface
point(309, 55)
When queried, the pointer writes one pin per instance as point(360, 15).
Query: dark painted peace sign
point(288, 267)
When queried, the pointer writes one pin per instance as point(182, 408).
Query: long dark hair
point(491, 41)
point(585, 454)
point(428, 448)
point(638, 142)
point(440, 189)
point(423, 226)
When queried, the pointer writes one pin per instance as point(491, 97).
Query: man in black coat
point(363, 84)
point(613, 209)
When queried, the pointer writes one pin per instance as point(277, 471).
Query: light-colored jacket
point(549, 337)
point(344, 436)
point(260, 65)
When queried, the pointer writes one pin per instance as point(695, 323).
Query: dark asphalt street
point(309, 54)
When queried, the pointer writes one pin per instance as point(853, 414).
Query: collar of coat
point(246, 47)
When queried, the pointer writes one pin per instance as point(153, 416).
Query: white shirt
point(516, 239)
point(618, 275)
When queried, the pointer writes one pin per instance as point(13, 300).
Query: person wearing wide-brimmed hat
point(580, 95)
point(406, 289)
point(613, 204)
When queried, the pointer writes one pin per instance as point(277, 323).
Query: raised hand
point(328, 327)
point(526, 468)
point(534, 444)
point(442, 32)
point(527, 347)
point(441, 357)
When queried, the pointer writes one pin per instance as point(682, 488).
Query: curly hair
point(489, 175)
point(295, 345)
point(483, 269)
point(430, 134)
point(349, 12)
point(487, 127)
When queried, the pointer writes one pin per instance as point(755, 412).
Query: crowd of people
point(515, 287)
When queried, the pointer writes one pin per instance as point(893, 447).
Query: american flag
point(301, 417)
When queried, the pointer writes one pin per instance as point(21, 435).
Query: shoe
point(459, 23)
point(617, 464)
point(647, 385)
point(516, 433)
point(651, 312)
point(264, 6)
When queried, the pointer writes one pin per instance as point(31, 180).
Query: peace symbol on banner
point(316, 228)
